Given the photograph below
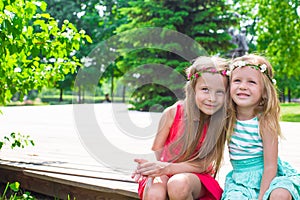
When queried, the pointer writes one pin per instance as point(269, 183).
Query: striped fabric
point(246, 141)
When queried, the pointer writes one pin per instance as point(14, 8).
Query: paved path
point(103, 133)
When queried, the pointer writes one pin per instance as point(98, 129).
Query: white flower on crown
point(274, 81)
point(263, 68)
point(235, 65)
point(240, 64)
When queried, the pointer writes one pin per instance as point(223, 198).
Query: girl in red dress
point(190, 139)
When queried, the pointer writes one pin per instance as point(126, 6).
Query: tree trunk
point(289, 95)
point(281, 96)
point(79, 94)
point(112, 86)
point(82, 92)
point(123, 93)
point(61, 95)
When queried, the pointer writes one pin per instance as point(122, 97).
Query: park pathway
point(86, 151)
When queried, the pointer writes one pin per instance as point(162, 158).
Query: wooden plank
point(60, 186)
point(103, 173)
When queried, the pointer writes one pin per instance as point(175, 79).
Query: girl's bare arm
point(163, 130)
point(270, 145)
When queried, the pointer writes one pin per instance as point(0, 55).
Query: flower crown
point(260, 67)
point(205, 70)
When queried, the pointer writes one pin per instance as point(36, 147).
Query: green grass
point(290, 112)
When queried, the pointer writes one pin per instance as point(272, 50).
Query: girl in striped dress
point(254, 129)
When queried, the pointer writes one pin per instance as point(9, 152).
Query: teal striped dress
point(246, 157)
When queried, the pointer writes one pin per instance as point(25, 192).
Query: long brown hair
point(268, 111)
point(211, 151)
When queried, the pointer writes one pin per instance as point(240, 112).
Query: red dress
point(214, 191)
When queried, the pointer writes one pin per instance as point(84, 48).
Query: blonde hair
point(211, 151)
point(268, 111)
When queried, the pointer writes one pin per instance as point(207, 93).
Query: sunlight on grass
point(290, 112)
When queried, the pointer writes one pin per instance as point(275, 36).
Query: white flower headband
point(260, 67)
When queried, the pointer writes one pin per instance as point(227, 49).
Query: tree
point(204, 21)
point(34, 51)
point(280, 40)
point(276, 27)
point(99, 19)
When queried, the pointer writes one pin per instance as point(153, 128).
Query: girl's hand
point(136, 176)
point(152, 169)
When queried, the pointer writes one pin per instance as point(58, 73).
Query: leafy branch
point(16, 140)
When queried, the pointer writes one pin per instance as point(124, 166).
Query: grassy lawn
point(290, 112)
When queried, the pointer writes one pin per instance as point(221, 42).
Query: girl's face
point(210, 92)
point(246, 87)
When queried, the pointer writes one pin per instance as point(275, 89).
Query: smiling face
point(210, 92)
point(246, 87)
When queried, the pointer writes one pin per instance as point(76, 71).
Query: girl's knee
point(178, 187)
point(155, 192)
point(280, 194)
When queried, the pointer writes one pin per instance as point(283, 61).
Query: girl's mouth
point(242, 95)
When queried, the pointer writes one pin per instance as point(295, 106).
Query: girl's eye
point(220, 92)
point(253, 82)
point(236, 80)
point(204, 89)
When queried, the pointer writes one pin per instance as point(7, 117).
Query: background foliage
point(41, 46)
point(274, 27)
point(34, 51)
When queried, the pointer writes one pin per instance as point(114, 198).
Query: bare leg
point(156, 189)
point(280, 194)
point(185, 186)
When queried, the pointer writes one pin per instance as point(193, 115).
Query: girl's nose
point(242, 86)
point(212, 97)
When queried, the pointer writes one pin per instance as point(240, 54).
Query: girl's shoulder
point(170, 112)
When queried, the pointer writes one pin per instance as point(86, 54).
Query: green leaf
point(14, 186)
point(27, 196)
point(32, 142)
point(46, 15)
point(1, 5)
point(43, 6)
point(13, 135)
